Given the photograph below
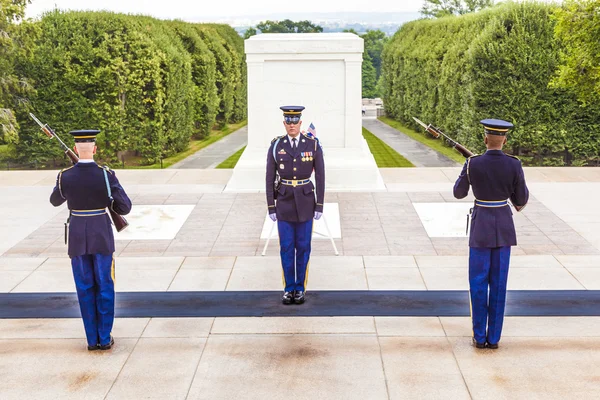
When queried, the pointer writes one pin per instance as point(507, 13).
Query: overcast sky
point(210, 9)
point(223, 8)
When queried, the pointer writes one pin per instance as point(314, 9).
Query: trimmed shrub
point(497, 63)
point(148, 84)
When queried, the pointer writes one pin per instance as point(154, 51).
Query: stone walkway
point(386, 244)
point(323, 358)
point(216, 153)
point(417, 153)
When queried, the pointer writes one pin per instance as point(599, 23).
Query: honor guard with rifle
point(291, 199)
point(89, 191)
point(496, 178)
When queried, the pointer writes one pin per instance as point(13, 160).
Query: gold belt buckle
point(294, 183)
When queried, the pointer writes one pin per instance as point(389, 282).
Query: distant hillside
point(333, 22)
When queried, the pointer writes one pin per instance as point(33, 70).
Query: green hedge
point(225, 72)
point(496, 63)
point(204, 76)
point(235, 46)
point(149, 85)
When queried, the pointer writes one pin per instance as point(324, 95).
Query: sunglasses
point(292, 120)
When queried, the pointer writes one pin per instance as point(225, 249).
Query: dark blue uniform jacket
point(494, 176)
point(296, 204)
point(83, 187)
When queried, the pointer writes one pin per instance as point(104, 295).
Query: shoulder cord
point(108, 187)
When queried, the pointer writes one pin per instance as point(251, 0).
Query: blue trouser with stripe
point(294, 242)
point(488, 267)
point(95, 283)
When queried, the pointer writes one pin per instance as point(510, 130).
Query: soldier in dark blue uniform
point(495, 178)
point(84, 187)
point(291, 199)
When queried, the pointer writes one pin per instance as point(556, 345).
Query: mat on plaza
point(319, 303)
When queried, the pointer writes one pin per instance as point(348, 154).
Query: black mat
point(319, 303)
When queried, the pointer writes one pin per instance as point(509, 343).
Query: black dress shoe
point(299, 297)
point(492, 346)
point(107, 346)
point(478, 345)
point(288, 298)
point(92, 348)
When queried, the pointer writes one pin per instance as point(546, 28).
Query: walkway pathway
point(417, 153)
point(213, 155)
point(389, 254)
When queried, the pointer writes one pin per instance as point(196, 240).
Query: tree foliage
point(374, 42)
point(578, 29)
point(147, 84)
point(497, 63)
point(288, 26)
point(369, 78)
point(14, 89)
point(443, 8)
point(250, 32)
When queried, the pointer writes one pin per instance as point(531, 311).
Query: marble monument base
point(346, 169)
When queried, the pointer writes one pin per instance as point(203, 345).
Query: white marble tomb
point(321, 71)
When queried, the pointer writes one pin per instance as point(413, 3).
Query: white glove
point(273, 217)
point(318, 215)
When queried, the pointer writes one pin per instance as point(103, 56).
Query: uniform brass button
point(294, 177)
point(295, 168)
point(294, 160)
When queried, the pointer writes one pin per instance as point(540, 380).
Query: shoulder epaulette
point(106, 168)
point(60, 181)
point(278, 137)
point(308, 137)
point(515, 157)
point(475, 155)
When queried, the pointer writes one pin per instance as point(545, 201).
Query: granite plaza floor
point(409, 237)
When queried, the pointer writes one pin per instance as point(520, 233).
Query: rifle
point(119, 221)
point(461, 149)
point(51, 134)
point(436, 133)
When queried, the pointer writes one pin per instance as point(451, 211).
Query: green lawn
point(425, 138)
point(385, 156)
point(195, 145)
point(232, 160)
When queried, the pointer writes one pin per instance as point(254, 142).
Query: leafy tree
point(250, 32)
point(234, 44)
point(442, 8)
point(374, 44)
point(578, 29)
point(148, 85)
point(288, 26)
point(13, 88)
point(496, 63)
point(369, 78)
point(371, 68)
point(205, 97)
